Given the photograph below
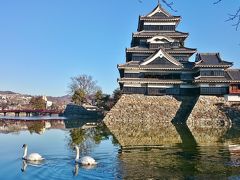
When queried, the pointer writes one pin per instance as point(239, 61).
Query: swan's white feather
point(86, 160)
point(34, 157)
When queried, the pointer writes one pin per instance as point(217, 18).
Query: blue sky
point(45, 42)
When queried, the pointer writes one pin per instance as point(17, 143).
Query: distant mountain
point(59, 100)
point(7, 92)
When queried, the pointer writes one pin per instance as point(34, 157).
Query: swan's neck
point(25, 152)
point(77, 154)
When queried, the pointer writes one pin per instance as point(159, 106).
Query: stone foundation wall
point(208, 112)
point(134, 119)
point(140, 108)
point(147, 120)
point(195, 110)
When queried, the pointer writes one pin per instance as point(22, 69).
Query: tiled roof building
point(157, 63)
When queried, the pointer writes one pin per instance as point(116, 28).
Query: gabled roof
point(149, 80)
point(230, 76)
point(211, 60)
point(161, 19)
point(137, 65)
point(234, 74)
point(212, 80)
point(180, 50)
point(161, 53)
point(158, 13)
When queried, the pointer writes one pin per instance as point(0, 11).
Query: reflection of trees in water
point(87, 138)
point(80, 138)
point(33, 126)
point(36, 127)
point(77, 136)
point(95, 134)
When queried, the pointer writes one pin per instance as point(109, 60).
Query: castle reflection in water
point(152, 150)
point(137, 135)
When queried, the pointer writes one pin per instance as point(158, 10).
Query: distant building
point(48, 103)
point(157, 63)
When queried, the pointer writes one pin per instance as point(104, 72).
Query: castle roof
point(182, 50)
point(149, 80)
point(161, 53)
point(230, 76)
point(211, 60)
point(137, 65)
point(233, 74)
point(150, 34)
point(158, 13)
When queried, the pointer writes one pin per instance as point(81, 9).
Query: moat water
point(175, 157)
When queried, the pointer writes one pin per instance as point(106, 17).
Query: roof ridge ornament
point(158, 9)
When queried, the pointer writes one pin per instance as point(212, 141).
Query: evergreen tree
point(79, 97)
point(37, 103)
point(99, 99)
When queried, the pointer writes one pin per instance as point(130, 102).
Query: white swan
point(31, 157)
point(86, 160)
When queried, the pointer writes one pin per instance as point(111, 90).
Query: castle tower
point(157, 63)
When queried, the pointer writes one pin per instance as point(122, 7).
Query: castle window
point(159, 27)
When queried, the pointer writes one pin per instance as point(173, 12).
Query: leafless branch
point(218, 1)
point(167, 3)
point(83, 82)
point(232, 17)
point(235, 17)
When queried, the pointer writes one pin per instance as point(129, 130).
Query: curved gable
point(159, 11)
point(161, 54)
point(160, 40)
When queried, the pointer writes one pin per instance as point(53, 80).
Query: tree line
point(84, 90)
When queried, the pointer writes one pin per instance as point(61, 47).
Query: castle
point(157, 63)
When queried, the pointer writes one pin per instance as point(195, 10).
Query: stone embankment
point(138, 120)
point(76, 111)
point(135, 119)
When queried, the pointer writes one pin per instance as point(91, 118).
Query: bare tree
point(85, 83)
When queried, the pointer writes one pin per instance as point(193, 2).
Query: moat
point(180, 152)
